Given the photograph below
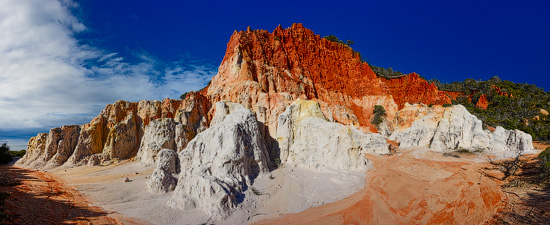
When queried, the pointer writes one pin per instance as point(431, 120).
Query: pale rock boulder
point(510, 140)
point(458, 129)
point(220, 163)
point(159, 134)
point(164, 178)
point(453, 128)
point(307, 139)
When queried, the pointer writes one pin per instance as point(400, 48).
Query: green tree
point(334, 39)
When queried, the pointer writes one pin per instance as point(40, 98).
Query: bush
point(19, 153)
point(379, 114)
point(544, 157)
point(5, 156)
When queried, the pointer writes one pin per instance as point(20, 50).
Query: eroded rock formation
point(167, 167)
point(117, 132)
point(453, 127)
point(307, 139)
point(221, 162)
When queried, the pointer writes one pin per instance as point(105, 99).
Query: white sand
point(285, 190)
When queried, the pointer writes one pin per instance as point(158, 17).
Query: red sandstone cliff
point(269, 70)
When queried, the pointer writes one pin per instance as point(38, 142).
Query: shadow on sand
point(37, 198)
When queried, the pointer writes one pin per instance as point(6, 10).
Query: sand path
point(43, 198)
point(414, 187)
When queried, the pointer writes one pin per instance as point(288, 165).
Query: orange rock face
point(267, 71)
point(482, 103)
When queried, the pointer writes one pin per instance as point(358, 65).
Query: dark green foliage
point(544, 157)
point(522, 111)
point(5, 156)
point(388, 73)
point(335, 39)
point(379, 114)
point(19, 153)
point(182, 96)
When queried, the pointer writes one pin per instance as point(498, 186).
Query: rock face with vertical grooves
point(453, 127)
point(307, 139)
point(221, 162)
point(117, 132)
point(159, 134)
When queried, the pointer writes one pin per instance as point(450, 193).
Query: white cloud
point(43, 81)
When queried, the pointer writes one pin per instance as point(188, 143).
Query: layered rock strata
point(220, 163)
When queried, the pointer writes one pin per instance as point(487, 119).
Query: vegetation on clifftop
point(516, 106)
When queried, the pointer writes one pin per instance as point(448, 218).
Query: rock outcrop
point(453, 127)
point(220, 163)
point(51, 149)
point(307, 139)
point(159, 134)
point(482, 102)
point(117, 132)
point(266, 72)
point(167, 167)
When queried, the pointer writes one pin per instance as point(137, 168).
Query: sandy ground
point(43, 198)
point(417, 186)
point(285, 190)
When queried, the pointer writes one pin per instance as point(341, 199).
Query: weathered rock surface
point(453, 127)
point(307, 139)
point(482, 103)
point(221, 162)
point(265, 72)
point(51, 149)
point(159, 134)
point(163, 178)
point(117, 132)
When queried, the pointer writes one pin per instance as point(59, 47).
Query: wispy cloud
point(47, 78)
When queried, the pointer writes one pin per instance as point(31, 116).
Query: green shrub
point(19, 153)
point(5, 156)
point(379, 114)
point(544, 157)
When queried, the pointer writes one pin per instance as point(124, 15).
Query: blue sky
point(62, 61)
